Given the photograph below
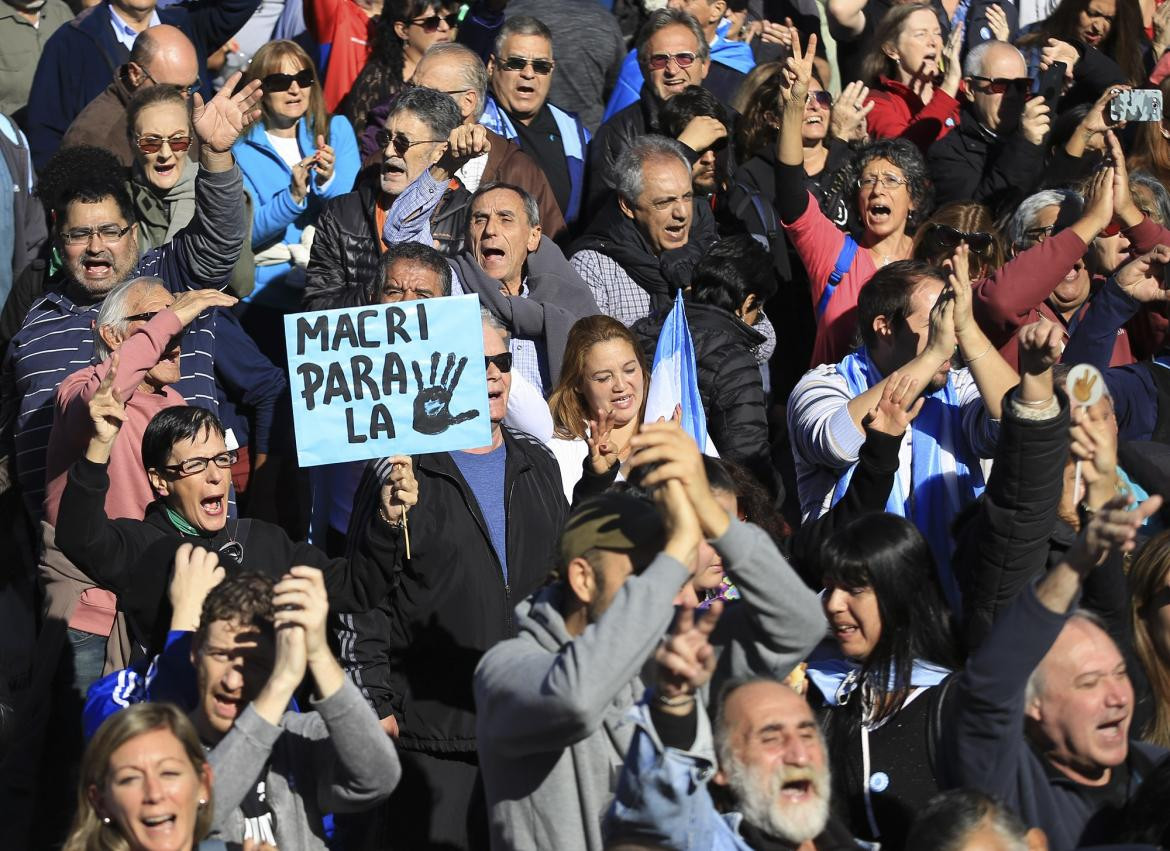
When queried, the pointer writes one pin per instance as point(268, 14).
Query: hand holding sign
point(1085, 387)
point(432, 406)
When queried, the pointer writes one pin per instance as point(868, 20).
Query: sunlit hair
point(876, 63)
point(969, 217)
point(89, 832)
point(570, 412)
point(269, 59)
point(1147, 586)
point(1123, 44)
point(757, 101)
point(756, 77)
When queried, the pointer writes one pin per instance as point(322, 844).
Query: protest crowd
point(811, 495)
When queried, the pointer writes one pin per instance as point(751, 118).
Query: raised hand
point(959, 280)
point(941, 339)
point(897, 407)
point(1059, 51)
point(1040, 345)
point(848, 122)
point(702, 132)
point(1099, 200)
point(781, 34)
point(258, 845)
point(466, 142)
point(325, 160)
point(298, 187)
point(1113, 528)
point(300, 601)
point(1093, 442)
point(685, 659)
point(432, 406)
point(1036, 120)
point(953, 61)
point(677, 458)
point(1144, 278)
point(107, 410)
point(197, 571)
point(222, 120)
point(400, 490)
point(683, 532)
point(1123, 206)
point(190, 303)
point(603, 454)
point(997, 22)
point(799, 68)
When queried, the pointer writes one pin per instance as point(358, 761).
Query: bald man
point(996, 154)
point(162, 56)
point(83, 57)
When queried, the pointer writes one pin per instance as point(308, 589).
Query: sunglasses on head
point(283, 82)
point(519, 63)
point(948, 237)
point(153, 144)
point(823, 99)
point(658, 61)
point(999, 85)
point(503, 361)
point(431, 23)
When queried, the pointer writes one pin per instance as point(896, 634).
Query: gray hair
point(628, 168)
point(492, 321)
point(662, 19)
point(973, 64)
point(1155, 187)
point(475, 75)
point(1035, 683)
point(531, 210)
point(1025, 215)
point(412, 252)
point(435, 109)
point(522, 25)
point(720, 730)
point(113, 312)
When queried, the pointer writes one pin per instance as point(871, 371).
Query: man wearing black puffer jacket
point(483, 536)
point(352, 229)
point(730, 285)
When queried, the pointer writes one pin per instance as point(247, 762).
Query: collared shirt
point(21, 44)
point(528, 359)
point(124, 33)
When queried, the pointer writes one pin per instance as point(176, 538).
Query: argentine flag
point(674, 379)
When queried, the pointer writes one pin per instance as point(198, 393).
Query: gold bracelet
point(981, 354)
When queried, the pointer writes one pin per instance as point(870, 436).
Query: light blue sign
point(387, 379)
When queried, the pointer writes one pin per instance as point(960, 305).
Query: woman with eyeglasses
point(913, 76)
point(188, 466)
point(889, 189)
point(876, 682)
point(401, 35)
point(293, 159)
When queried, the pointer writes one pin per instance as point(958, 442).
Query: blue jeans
point(89, 657)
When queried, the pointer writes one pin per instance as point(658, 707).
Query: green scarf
point(180, 522)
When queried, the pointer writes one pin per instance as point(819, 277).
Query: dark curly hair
point(900, 153)
point(84, 173)
point(244, 599)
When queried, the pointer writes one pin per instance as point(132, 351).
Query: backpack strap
point(844, 261)
point(934, 722)
point(764, 211)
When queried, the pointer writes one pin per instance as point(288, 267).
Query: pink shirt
point(130, 490)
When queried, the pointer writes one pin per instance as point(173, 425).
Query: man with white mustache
point(772, 761)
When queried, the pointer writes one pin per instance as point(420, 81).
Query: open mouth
point(164, 168)
point(156, 822)
point(492, 255)
point(98, 267)
point(393, 167)
point(1111, 730)
point(844, 630)
point(814, 119)
point(796, 790)
point(212, 506)
point(493, 395)
point(878, 213)
point(525, 90)
point(623, 403)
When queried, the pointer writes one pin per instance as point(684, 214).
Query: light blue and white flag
point(674, 379)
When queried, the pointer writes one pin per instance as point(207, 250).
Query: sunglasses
point(948, 237)
point(431, 23)
point(519, 63)
point(140, 317)
point(153, 144)
point(503, 361)
point(999, 85)
point(283, 82)
point(823, 99)
point(658, 61)
point(401, 143)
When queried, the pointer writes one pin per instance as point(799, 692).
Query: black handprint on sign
point(432, 406)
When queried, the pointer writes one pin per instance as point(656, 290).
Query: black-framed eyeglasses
point(141, 317)
point(430, 23)
point(1038, 235)
point(283, 82)
point(999, 85)
point(658, 61)
point(503, 361)
point(823, 99)
point(543, 67)
point(193, 466)
point(185, 91)
point(948, 237)
point(401, 144)
point(108, 234)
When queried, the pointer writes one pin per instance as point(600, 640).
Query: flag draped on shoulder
point(674, 378)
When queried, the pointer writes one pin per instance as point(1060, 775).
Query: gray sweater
point(551, 708)
point(334, 759)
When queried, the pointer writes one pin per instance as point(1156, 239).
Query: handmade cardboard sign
point(387, 379)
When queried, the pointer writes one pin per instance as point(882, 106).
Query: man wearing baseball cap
point(551, 702)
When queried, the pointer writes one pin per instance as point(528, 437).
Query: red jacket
point(342, 28)
point(898, 112)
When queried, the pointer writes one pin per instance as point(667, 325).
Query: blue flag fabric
point(674, 378)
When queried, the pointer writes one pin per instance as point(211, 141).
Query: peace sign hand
point(799, 68)
point(603, 454)
point(685, 658)
point(107, 410)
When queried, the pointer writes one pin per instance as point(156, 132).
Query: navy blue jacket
point(249, 386)
point(81, 58)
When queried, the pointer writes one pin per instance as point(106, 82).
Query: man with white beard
point(772, 763)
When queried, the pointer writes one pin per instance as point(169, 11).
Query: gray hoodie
point(551, 708)
point(336, 759)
